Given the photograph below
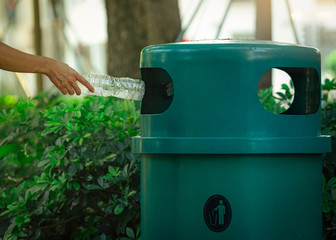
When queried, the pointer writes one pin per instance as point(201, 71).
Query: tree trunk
point(264, 19)
point(163, 21)
point(264, 32)
point(134, 24)
point(38, 41)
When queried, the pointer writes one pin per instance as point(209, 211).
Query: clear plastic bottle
point(121, 87)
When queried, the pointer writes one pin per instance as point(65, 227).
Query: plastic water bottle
point(121, 87)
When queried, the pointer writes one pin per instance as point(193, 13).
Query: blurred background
point(106, 37)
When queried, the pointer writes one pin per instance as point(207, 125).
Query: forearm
point(14, 60)
point(59, 73)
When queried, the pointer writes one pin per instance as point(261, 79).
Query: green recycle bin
point(215, 164)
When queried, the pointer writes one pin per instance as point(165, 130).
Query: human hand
point(63, 76)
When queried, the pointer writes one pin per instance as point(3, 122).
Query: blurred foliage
point(331, 63)
point(278, 102)
point(329, 163)
point(66, 169)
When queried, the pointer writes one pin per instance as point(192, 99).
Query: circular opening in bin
point(276, 90)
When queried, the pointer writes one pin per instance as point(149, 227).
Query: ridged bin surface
point(215, 138)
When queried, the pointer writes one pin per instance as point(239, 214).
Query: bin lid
point(202, 97)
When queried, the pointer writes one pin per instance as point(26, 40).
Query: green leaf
point(130, 233)
point(61, 107)
point(285, 87)
point(333, 194)
point(130, 156)
point(72, 170)
point(131, 193)
point(53, 124)
point(87, 135)
point(331, 182)
point(9, 148)
point(113, 171)
point(118, 209)
point(58, 142)
point(283, 96)
point(93, 187)
point(101, 181)
point(43, 163)
point(76, 186)
point(88, 163)
point(101, 237)
point(110, 157)
point(69, 126)
point(62, 178)
point(56, 182)
point(37, 188)
point(5, 212)
point(78, 114)
point(46, 195)
point(138, 231)
point(37, 233)
point(108, 110)
point(329, 84)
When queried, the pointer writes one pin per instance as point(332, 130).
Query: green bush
point(329, 163)
point(278, 102)
point(66, 169)
point(331, 63)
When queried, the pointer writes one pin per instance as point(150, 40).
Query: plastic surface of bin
point(215, 164)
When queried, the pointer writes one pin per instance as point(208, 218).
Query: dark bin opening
point(307, 91)
point(159, 90)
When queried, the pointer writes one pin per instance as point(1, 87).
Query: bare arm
point(59, 73)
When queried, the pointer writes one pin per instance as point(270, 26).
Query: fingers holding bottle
point(64, 77)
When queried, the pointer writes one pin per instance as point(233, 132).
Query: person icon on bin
point(221, 212)
point(217, 213)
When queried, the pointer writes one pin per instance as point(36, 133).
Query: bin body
point(215, 164)
point(271, 196)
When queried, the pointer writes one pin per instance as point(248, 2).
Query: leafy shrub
point(331, 63)
point(278, 102)
point(66, 169)
point(329, 163)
